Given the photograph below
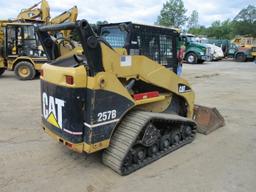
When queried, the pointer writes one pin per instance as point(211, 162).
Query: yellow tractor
point(246, 47)
point(244, 41)
point(121, 101)
point(21, 50)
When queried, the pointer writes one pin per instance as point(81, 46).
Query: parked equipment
point(247, 48)
point(244, 41)
point(195, 52)
point(21, 50)
point(244, 54)
point(216, 52)
point(120, 100)
point(36, 13)
point(241, 49)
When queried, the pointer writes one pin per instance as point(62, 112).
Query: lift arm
point(70, 15)
point(66, 16)
point(34, 13)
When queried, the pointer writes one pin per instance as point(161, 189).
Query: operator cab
point(188, 38)
point(21, 40)
point(157, 43)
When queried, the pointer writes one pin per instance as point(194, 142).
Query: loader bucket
point(207, 119)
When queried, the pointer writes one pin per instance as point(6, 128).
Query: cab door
point(13, 40)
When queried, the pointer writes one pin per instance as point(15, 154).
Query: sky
point(142, 11)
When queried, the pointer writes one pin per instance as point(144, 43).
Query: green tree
point(227, 29)
point(220, 30)
point(172, 14)
point(215, 30)
point(244, 28)
point(193, 20)
point(201, 30)
point(244, 22)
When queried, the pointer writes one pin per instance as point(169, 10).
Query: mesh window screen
point(166, 52)
point(114, 36)
point(155, 43)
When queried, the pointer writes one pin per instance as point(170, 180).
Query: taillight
point(68, 144)
point(69, 80)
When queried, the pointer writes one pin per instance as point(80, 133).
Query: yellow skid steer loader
point(127, 102)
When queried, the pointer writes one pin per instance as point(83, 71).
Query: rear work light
point(69, 80)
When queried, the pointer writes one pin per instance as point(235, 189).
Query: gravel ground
point(223, 161)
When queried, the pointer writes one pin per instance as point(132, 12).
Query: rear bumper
point(78, 147)
point(63, 133)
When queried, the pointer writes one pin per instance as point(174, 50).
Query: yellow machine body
point(126, 102)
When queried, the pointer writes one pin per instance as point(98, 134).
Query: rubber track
point(126, 135)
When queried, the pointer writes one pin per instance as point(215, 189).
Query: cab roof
point(145, 25)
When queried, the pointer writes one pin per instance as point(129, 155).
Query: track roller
point(143, 137)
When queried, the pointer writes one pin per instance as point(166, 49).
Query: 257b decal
point(106, 115)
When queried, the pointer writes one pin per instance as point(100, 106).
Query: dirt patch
point(207, 76)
